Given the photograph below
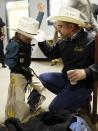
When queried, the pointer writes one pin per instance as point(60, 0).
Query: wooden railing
point(95, 85)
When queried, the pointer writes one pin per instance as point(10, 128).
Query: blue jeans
point(68, 97)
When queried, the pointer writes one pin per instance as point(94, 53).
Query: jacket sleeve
point(40, 17)
point(51, 52)
point(11, 55)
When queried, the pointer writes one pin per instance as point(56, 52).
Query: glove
point(33, 100)
point(28, 74)
point(41, 36)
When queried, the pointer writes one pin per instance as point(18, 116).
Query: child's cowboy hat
point(27, 26)
point(71, 15)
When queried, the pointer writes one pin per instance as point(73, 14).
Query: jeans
point(68, 97)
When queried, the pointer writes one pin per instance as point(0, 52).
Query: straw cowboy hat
point(71, 15)
point(27, 26)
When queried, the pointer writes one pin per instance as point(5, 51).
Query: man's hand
point(40, 7)
point(76, 75)
point(41, 36)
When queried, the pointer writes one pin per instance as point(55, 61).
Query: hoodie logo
point(78, 48)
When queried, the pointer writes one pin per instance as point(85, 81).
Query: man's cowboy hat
point(27, 26)
point(71, 15)
point(1, 22)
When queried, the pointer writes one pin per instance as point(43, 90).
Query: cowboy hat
point(27, 26)
point(69, 14)
point(1, 22)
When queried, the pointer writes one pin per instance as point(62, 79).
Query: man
point(76, 49)
point(2, 36)
point(89, 15)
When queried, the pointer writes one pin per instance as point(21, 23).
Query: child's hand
point(40, 7)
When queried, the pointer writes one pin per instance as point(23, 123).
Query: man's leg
point(54, 82)
point(37, 96)
point(70, 99)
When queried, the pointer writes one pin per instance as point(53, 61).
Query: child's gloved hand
point(28, 74)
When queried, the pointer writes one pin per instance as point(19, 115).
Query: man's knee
point(52, 107)
point(41, 76)
point(45, 77)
